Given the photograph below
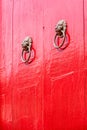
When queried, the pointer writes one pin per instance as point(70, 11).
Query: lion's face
point(60, 28)
point(25, 44)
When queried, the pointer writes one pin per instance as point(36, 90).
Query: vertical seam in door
point(84, 60)
point(84, 31)
point(43, 73)
point(12, 62)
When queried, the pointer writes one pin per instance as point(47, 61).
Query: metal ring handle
point(29, 54)
point(26, 48)
point(60, 30)
point(58, 46)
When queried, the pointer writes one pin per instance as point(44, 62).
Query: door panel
point(64, 71)
point(64, 103)
point(27, 78)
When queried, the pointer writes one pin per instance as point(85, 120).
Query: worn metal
point(26, 48)
point(60, 30)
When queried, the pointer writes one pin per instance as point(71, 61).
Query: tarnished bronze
point(26, 48)
point(60, 30)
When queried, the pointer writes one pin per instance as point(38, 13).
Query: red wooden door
point(64, 72)
point(50, 92)
point(28, 79)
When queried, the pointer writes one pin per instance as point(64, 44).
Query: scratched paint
point(50, 92)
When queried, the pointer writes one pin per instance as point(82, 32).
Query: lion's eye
point(61, 28)
point(27, 44)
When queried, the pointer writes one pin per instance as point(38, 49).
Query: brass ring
point(23, 59)
point(56, 45)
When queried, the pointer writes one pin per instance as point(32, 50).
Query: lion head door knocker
point(60, 30)
point(26, 49)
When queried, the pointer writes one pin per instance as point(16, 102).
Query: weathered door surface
point(49, 93)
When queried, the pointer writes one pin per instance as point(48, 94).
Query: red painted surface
point(85, 38)
point(50, 93)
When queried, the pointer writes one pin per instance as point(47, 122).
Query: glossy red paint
point(85, 48)
point(50, 92)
